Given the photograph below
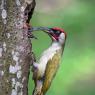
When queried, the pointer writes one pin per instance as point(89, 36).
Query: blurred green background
point(76, 75)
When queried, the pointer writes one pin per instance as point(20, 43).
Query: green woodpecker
point(46, 68)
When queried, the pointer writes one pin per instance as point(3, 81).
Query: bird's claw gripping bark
point(34, 70)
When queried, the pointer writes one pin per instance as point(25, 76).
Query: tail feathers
point(38, 88)
point(37, 92)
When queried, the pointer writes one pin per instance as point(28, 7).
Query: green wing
point(51, 69)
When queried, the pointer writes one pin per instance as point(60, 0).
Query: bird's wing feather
point(51, 69)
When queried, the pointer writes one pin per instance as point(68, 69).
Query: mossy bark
point(15, 46)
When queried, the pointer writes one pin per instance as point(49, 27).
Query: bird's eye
point(57, 32)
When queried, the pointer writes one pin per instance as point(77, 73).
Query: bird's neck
point(56, 44)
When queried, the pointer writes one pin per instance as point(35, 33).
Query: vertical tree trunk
point(15, 46)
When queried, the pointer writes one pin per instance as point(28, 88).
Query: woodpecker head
point(57, 34)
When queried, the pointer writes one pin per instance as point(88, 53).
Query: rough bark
point(15, 46)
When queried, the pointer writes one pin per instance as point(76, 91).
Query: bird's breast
point(46, 56)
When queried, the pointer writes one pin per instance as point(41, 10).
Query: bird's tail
point(37, 93)
point(37, 89)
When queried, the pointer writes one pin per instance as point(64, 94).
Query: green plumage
point(51, 69)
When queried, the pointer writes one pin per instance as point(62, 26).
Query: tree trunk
point(15, 46)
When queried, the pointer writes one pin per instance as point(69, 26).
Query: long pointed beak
point(45, 29)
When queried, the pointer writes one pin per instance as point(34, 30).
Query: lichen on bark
point(15, 46)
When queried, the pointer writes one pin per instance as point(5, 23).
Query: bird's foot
point(34, 67)
point(34, 70)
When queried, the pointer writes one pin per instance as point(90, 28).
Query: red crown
point(59, 29)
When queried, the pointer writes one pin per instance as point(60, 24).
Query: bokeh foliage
point(76, 75)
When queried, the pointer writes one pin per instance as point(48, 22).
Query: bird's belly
point(44, 60)
point(46, 56)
